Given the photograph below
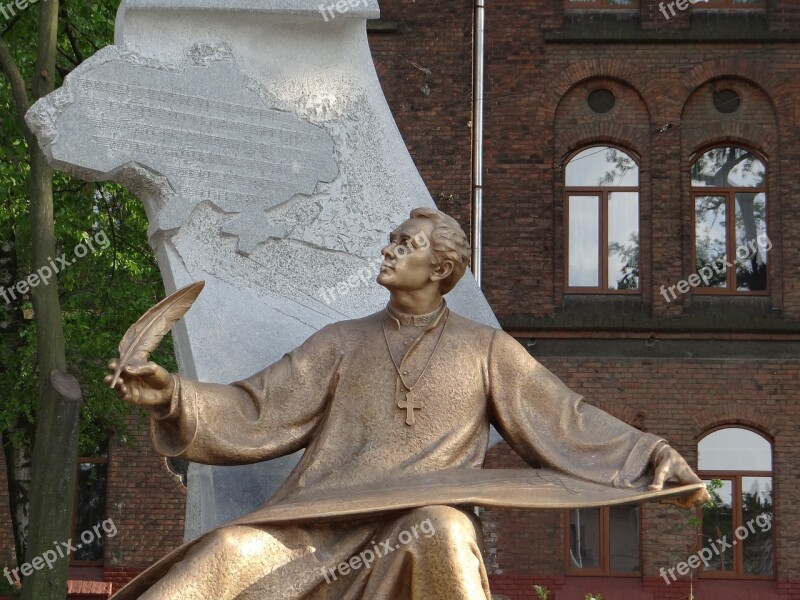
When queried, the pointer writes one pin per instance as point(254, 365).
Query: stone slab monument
point(257, 136)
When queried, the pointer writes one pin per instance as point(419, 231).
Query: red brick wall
point(7, 551)
point(426, 73)
point(145, 501)
point(534, 118)
point(679, 399)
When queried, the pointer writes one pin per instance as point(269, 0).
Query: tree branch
point(73, 41)
point(11, 24)
point(18, 92)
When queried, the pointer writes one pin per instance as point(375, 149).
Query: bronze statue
point(393, 411)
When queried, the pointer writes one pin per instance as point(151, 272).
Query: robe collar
point(396, 319)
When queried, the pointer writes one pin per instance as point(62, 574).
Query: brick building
point(627, 145)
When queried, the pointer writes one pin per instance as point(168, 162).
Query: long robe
point(340, 397)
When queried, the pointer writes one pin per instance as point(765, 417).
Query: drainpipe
point(479, 27)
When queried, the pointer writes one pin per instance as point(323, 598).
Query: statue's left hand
point(670, 466)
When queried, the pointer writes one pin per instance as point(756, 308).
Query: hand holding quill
point(140, 340)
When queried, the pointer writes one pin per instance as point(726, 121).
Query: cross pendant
point(410, 403)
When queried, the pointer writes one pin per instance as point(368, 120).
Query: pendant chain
point(427, 364)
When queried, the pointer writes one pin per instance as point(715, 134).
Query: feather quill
point(146, 334)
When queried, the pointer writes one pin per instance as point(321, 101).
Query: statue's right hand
point(147, 385)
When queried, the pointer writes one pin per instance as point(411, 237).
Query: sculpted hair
point(449, 243)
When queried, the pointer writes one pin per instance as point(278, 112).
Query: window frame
point(730, 219)
point(99, 460)
point(605, 547)
point(737, 513)
point(602, 193)
point(600, 5)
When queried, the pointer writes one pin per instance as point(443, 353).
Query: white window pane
point(734, 449)
point(602, 166)
point(584, 241)
point(623, 241)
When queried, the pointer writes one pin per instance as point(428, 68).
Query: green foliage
point(101, 293)
point(591, 596)
point(9, 591)
point(714, 501)
point(542, 592)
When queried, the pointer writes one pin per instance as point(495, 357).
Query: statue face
point(408, 260)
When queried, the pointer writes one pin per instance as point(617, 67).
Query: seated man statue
point(410, 390)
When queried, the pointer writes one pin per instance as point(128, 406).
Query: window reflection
point(757, 515)
point(602, 202)
point(604, 540)
point(730, 220)
point(624, 539)
point(584, 540)
point(741, 511)
point(728, 167)
point(751, 226)
point(718, 524)
point(602, 166)
point(623, 241)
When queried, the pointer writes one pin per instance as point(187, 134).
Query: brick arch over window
point(756, 139)
point(704, 127)
point(576, 126)
point(778, 93)
point(598, 68)
point(731, 415)
point(755, 127)
point(629, 139)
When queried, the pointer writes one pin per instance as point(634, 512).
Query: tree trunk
point(17, 449)
point(54, 451)
point(17, 441)
point(55, 447)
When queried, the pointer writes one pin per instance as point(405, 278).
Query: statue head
point(428, 248)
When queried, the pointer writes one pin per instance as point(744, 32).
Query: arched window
point(737, 529)
point(730, 233)
point(602, 221)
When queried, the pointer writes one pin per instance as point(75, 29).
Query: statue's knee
point(227, 541)
point(436, 524)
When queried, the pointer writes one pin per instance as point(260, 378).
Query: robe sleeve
point(549, 425)
point(271, 414)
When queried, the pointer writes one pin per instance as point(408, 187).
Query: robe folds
point(339, 396)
